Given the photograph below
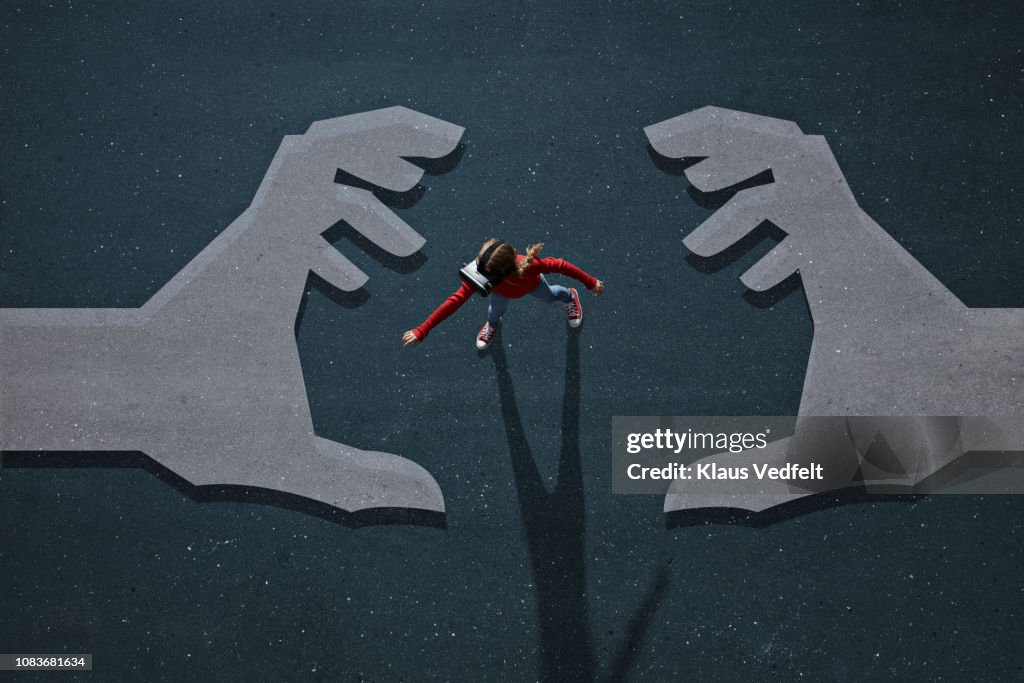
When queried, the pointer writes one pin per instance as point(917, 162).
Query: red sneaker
point(483, 340)
point(573, 309)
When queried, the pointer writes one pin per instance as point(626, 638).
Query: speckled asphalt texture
point(132, 136)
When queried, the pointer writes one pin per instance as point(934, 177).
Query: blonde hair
point(503, 259)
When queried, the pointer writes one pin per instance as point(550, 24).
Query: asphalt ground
point(132, 136)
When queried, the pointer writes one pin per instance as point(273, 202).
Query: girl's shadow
point(556, 533)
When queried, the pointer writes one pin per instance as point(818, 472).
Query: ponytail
point(531, 254)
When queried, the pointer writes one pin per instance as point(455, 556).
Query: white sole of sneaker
point(481, 345)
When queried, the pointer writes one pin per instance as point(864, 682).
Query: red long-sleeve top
point(512, 287)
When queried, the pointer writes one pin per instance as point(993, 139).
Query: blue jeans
point(545, 292)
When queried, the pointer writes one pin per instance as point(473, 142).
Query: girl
point(510, 275)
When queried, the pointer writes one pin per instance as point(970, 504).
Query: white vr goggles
point(478, 277)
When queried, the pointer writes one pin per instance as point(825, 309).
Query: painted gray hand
point(935, 379)
point(205, 377)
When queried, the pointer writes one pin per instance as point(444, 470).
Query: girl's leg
point(496, 308)
point(549, 293)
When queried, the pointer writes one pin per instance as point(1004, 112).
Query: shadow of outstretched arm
point(638, 627)
point(554, 524)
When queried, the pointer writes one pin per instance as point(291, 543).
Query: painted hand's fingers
point(329, 264)
point(735, 145)
point(371, 145)
point(379, 224)
point(410, 339)
point(773, 268)
point(725, 169)
point(743, 213)
point(706, 131)
point(411, 133)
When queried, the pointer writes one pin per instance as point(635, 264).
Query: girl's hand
point(598, 288)
point(410, 339)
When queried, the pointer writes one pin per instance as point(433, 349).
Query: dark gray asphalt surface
point(131, 137)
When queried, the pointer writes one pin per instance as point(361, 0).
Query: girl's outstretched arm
point(563, 267)
point(451, 304)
